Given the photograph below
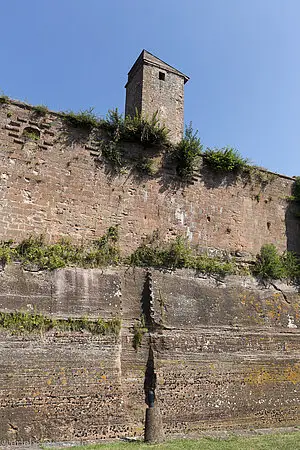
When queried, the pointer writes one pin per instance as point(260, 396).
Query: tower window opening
point(162, 76)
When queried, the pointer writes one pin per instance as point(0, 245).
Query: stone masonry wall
point(225, 353)
point(134, 89)
point(70, 385)
point(59, 185)
point(165, 96)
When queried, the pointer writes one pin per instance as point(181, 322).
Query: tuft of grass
point(31, 134)
point(4, 99)
point(7, 252)
point(187, 153)
point(226, 159)
point(86, 119)
point(24, 322)
point(139, 329)
point(40, 110)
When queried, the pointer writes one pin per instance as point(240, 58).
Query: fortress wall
point(58, 185)
point(229, 354)
point(226, 355)
point(61, 385)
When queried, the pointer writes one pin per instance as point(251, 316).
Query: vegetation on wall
point(139, 329)
point(175, 255)
point(225, 160)
point(86, 119)
point(269, 263)
point(21, 322)
point(146, 166)
point(6, 252)
point(35, 252)
point(31, 134)
point(4, 99)
point(295, 197)
point(187, 153)
point(139, 128)
point(40, 110)
point(150, 133)
point(272, 265)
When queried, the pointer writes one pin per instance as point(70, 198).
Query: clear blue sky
point(242, 57)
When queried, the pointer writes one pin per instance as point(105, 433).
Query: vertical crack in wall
point(148, 312)
point(150, 377)
point(147, 302)
point(119, 359)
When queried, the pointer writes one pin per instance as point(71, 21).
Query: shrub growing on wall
point(187, 153)
point(177, 254)
point(225, 159)
point(271, 265)
point(86, 119)
point(35, 252)
point(138, 128)
point(296, 190)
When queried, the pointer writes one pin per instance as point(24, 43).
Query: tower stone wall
point(154, 86)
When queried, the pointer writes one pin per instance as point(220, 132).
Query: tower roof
point(147, 58)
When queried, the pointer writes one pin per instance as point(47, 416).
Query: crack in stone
point(280, 290)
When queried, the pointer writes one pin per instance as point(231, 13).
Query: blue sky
point(242, 57)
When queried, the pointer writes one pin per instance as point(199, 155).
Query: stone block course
point(65, 191)
point(226, 351)
point(214, 370)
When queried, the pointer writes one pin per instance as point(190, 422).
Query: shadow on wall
point(292, 224)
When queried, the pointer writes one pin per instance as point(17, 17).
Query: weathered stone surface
point(226, 355)
point(155, 87)
point(154, 431)
point(225, 351)
point(64, 191)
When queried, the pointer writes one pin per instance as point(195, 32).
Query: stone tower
point(154, 86)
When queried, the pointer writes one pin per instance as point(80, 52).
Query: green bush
point(34, 251)
point(86, 119)
point(225, 159)
point(138, 128)
point(271, 265)
point(4, 99)
point(156, 254)
point(7, 252)
point(112, 153)
point(210, 265)
point(146, 166)
point(187, 153)
point(291, 265)
point(40, 110)
point(295, 191)
point(175, 255)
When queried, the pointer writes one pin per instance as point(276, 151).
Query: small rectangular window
point(162, 76)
